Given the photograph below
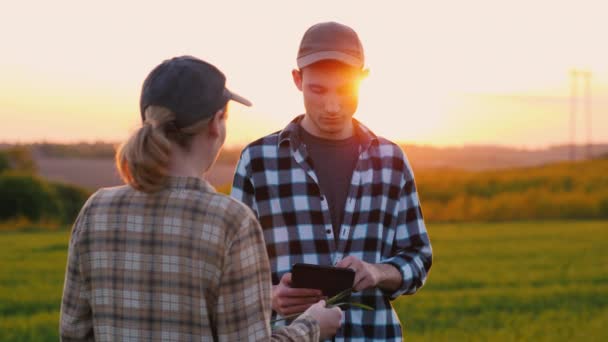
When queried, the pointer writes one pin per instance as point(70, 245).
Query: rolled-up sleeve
point(411, 253)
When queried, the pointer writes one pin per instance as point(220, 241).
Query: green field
point(534, 281)
point(537, 281)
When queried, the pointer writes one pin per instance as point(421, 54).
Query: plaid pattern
point(382, 222)
point(180, 265)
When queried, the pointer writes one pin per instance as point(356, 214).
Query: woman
point(165, 257)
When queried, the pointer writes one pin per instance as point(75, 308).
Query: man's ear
point(297, 78)
point(364, 73)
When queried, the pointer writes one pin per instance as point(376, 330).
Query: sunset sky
point(442, 73)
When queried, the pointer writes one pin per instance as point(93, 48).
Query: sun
point(403, 111)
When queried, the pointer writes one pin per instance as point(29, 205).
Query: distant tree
point(18, 158)
point(27, 196)
point(4, 162)
point(71, 199)
point(79, 150)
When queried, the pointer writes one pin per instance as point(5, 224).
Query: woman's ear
point(213, 127)
point(297, 78)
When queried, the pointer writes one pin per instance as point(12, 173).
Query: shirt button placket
point(344, 234)
point(328, 230)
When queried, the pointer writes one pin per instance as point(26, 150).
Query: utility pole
point(587, 76)
point(573, 102)
point(574, 77)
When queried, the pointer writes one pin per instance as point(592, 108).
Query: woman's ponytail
point(143, 160)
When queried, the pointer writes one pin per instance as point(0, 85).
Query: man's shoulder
point(271, 139)
point(384, 146)
point(264, 147)
point(393, 156)
point(388, 148)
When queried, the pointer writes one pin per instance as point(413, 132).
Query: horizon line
point(398, 142)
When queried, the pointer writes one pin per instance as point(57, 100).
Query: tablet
point(329, 279)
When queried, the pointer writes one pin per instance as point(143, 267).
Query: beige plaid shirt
point(183, 264)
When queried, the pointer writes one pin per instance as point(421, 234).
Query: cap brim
point(329, 55)
point(238, 98)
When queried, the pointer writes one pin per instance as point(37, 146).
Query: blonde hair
point(143, 160)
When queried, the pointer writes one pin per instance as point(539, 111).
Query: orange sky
point(463, 72)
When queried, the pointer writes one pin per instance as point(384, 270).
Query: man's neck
point(347, 132)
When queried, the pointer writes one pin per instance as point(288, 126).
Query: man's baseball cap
point(330, 40)
point(191, 88)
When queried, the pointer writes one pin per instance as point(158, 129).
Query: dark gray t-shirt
point(334, 162)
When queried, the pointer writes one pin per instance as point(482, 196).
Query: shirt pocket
point(366, 242)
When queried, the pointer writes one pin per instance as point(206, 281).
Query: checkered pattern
point(382, 223)
point(180, 265)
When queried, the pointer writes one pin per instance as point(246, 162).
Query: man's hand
point(287, 300)
point(369, 276)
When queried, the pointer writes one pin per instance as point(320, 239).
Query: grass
point(558, 191)
point(541, 281)
point(31, 282)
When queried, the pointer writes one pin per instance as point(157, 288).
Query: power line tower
point(573, 109)
point(587, 76)
point(574, 77)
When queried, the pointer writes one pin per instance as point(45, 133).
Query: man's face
point(331, 96)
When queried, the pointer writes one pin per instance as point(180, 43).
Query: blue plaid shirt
point(382, 222)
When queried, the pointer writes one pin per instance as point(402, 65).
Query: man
point(328, 191)
point(165, 257)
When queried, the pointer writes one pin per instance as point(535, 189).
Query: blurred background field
point(524, 281)
point(49, 182)
point(520, 249)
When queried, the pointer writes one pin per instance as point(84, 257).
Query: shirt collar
point(291, 133)
point(189, 183)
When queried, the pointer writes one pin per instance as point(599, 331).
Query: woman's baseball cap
point(191, 88)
